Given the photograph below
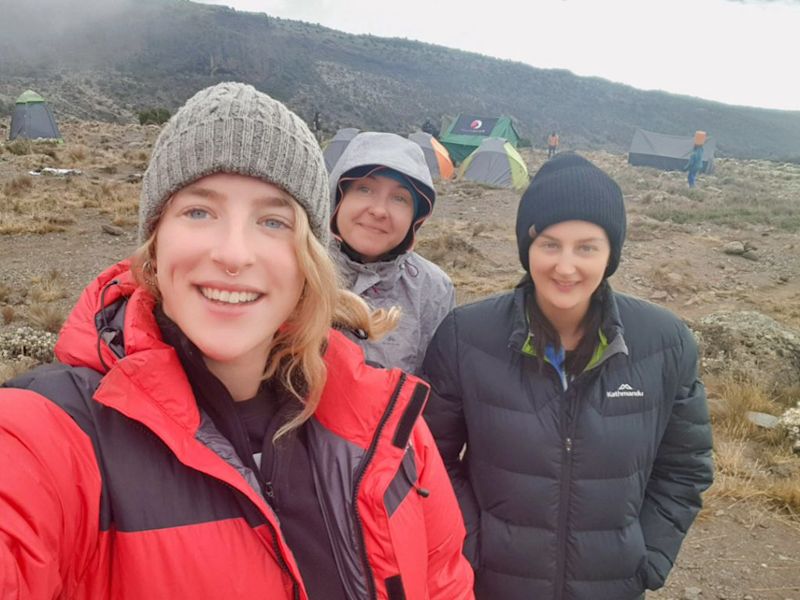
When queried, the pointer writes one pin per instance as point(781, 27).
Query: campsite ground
point(56, 233)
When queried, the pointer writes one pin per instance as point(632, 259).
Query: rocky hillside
point(109, 60)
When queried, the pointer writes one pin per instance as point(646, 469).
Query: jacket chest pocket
point(617, 395)
point(402, 483)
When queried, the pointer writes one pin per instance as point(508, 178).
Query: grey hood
point(375, 150)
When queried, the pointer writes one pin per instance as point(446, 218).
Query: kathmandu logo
point(625, 391)
point(476, 124)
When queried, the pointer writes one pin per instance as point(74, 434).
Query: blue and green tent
point(32, 119)
point(467, 132)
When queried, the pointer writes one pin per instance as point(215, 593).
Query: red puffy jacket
point(114, 485)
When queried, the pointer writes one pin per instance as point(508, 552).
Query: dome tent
point(495, 162)
point(466, 133)
point(32, 119)
point(436, 155)
point(334, 148)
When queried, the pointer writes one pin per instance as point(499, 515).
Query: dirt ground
point(738, 549)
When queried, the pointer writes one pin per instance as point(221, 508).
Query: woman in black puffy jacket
point(585, 424)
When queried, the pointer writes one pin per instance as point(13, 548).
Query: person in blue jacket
point(695, 164)
point(570, 417)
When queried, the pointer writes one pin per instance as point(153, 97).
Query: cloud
point(784, 2)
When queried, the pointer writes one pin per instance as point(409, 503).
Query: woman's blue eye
point(275, 224)
point(197, 213)
point(364, 189)
point(402, 199)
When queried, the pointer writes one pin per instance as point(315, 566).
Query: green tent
point(467, 132)
point(495, 163)
point(32, 119)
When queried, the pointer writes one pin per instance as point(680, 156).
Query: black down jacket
point(578, 493)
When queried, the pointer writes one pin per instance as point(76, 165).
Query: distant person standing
point(552, 144)
point(695, 164)
point(429, 128)
point(318, 126)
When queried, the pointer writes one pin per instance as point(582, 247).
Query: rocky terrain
point(724, 256)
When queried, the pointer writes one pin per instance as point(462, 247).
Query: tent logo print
point(625, 390)
point(476, 124)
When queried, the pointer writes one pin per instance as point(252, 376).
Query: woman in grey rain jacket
point(586, 427)
point(382, 192)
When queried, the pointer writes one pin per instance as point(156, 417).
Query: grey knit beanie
point(234, 128)
point(569, 187)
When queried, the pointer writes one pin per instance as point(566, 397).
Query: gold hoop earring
point(149, 274)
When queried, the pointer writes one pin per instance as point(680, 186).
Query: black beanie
point(570, 188)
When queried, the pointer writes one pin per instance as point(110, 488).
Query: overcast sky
point(735, 51)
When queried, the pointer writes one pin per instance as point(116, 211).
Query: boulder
point(734, 248)
point(751, 344)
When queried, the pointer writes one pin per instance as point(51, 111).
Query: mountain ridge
point(107, 61)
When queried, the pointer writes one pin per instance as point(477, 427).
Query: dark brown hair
point(543, 333)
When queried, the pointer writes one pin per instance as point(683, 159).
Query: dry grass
point(739, 193)
point(18, 185)
point(12, 368)
point(673, 277)
point(785, 495)
point(5, 292)
point(120, 201)
point(19, 147)
point(734, 397)
point(43, 205)
point(449, 247)
point(751, 462)
point(48, 287)
point(452, 246)
point(9, 313)
point(77, 153)
point(46, 316)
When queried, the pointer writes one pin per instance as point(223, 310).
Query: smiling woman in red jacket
point(206, 433)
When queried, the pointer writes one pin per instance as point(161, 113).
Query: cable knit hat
point(568, 188)
point(234, 128)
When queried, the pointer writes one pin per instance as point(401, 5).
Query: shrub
point(19, 147)
point(6, 108)
point(17, 185)
point(46, 316)
point(153, 116)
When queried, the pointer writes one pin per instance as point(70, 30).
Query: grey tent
point(495, 162)
point(32, 119)
point(667, 152)
point(337, 145)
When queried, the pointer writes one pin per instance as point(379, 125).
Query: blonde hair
point(296, 356)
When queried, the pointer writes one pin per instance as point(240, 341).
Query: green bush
point(6, 108)
point(153, 116)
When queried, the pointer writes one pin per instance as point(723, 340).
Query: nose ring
point(232, 273)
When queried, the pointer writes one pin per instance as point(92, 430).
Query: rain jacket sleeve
point(449, 575)
point(444, 414)
point(439, 306)
point(49, 498)
point(682, 470)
